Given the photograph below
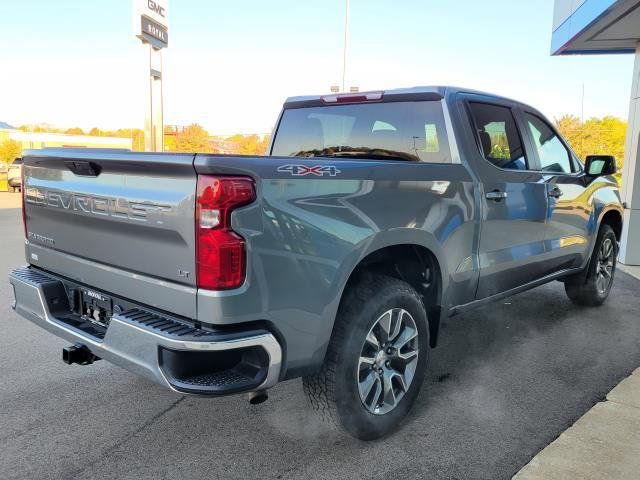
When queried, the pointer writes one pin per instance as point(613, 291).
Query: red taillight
point(220, 252)
point(23, 190)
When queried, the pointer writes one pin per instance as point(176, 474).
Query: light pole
point(346, 41)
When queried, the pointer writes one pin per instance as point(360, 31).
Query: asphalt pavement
point(504, 382)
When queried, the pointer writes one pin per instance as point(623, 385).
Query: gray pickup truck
point(336, 258)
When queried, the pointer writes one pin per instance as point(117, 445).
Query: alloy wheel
point(604, 270)
point(388, 361)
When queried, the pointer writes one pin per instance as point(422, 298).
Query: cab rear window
point(409, 131)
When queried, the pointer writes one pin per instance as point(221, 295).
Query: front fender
point(605, 199)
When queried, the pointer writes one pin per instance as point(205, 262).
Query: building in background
point(20, 141)
point(590, 27)
point(37, 140)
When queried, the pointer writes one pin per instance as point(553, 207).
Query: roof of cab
point(436, 92)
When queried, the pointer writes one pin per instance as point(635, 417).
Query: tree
point(170, 144)
point(74, 131)
point(40, 128)
point(571, 129)
point(137, 138)
point(596, 136)
point(193, 138)
point(264, 144)
point(9, 151)
point(95, 132)
point(135, 134)
point(250, 144)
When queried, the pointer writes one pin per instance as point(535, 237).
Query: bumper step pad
point(165, 326)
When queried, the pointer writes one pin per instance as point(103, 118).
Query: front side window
point(553, 155)
point(413, 131)
point(498, 136)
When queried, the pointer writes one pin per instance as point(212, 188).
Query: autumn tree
point(33, 128)
point(263, 145)
point(170, 144)
point(9, 151)
point(193, 138)
point(135, 134)
point(596, 136)
point(40, 128)
point(250, 144)
point(137, 138)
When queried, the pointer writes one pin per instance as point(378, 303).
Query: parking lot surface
point(504, 382)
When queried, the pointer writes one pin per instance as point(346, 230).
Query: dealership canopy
point(591, 27)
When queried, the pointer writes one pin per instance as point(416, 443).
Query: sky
point(231, 64)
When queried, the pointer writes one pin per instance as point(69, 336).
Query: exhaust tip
point(256, 398)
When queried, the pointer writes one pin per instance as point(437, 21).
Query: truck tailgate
point(132, 212)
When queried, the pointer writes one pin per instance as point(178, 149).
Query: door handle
point(555, 193)
point(496, 195)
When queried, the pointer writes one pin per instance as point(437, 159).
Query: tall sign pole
point(151, 26)
point(346, 45)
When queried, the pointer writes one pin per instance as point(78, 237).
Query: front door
point(514, 202)
point(570, 208)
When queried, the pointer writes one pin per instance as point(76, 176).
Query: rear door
point(131, 212)
point(570, 206)
point(513, 199)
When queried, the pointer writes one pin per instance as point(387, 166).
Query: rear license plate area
point(96, 307)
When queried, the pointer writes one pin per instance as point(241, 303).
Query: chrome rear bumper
point(152, 345)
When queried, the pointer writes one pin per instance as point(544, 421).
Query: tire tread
point(320, 388)
point(581, 288)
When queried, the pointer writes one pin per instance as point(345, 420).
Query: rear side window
point(413, 131)
point(553, 155)
point(498, 136)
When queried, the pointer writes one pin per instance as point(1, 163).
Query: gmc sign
point(151, 22)
point(157, 8)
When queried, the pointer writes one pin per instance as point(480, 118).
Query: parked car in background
point(376, 217)
point(14, 175)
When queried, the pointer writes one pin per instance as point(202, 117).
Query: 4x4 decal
point(302, 170)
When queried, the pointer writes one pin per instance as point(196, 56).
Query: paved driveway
point(505, 381)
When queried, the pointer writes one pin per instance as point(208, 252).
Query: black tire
point(584, 290)
point(334, 390)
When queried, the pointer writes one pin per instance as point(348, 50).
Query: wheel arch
point(350, 268)
point(414, 264)
point(613, 218)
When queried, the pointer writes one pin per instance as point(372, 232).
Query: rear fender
point(371, 245)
